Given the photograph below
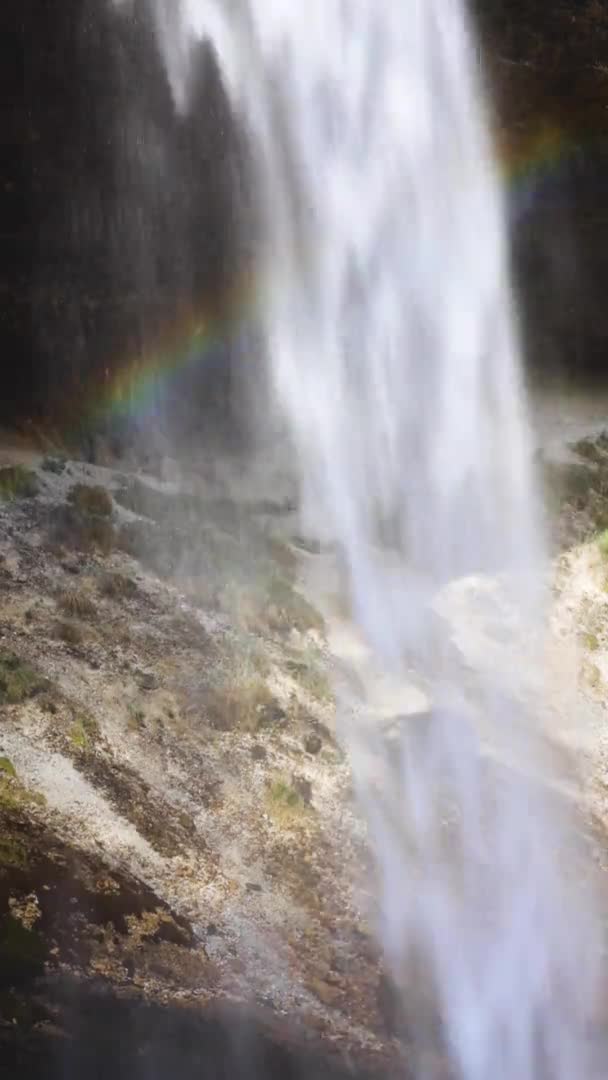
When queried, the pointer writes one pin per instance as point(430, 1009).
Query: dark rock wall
point(547, 66)
point(123, 220)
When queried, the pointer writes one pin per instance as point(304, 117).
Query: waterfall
point(394, 355)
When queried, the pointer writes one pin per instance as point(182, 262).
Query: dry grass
point(118, 587)
point(275, 607)
point(76, 603)
point(244, 705)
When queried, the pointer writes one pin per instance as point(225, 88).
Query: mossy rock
point(7, 768)
point(17, 482)
point(18, 681)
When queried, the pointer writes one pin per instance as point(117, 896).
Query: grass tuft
point(118, 587)
point(76, 603)
point(244, 705)
point(284, 802)
point(18, 681)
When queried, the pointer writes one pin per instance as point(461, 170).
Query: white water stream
point(394, 356)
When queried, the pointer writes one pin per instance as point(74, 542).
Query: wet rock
point(147, 680)
point(313, 744)
point(258, 752)
point(303, 788)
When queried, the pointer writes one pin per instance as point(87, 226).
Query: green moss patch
point(84, 731)
point(285, 802)
point(18, 681)
point(602, 543)
point(7, 768)
point(17, 482)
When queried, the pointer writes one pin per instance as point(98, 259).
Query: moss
point(284, 802)
point(602, 543)
point(77, 603)
point(7, 768)
point(13, 795)
point(17, 482)
point(591, 642)
point(13, 853)
point(84, 731)
point(91, 500)
point(70, 632)
point(18, 681)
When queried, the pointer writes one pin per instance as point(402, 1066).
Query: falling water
point(394, 355)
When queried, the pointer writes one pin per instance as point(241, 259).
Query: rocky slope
point(175, 810)
point(177, 826)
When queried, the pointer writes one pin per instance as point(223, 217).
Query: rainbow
point(533, 165)
point(131, 387)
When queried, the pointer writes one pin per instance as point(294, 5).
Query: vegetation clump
point(84, 731)
point(17, 482)
point(18, 681)
point(14, 796)
point(289, 609)
point(245, 705)
point(70, 632)
point(592, 642)
point(602, 543)
point(91, 500)
point(284, 801)
point(590, 451)
point(118, 587)
point(76, 603)
point(308, 672)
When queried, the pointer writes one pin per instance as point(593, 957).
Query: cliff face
point(124, 222)
point(547, 67)
point(122, 218)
